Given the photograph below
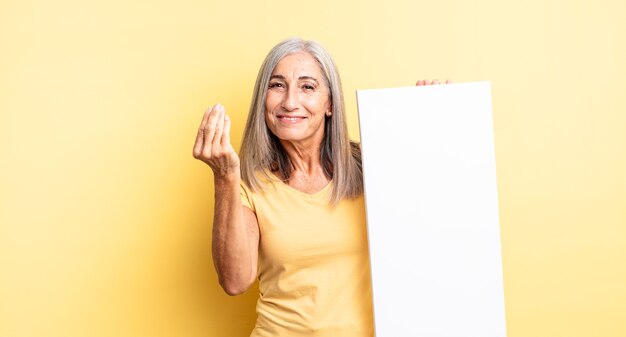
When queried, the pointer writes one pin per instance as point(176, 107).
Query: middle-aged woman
point(291, 211)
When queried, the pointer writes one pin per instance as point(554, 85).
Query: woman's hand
point(213, 143)
point(427, 82)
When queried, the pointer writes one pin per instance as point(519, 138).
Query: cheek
point(270, 104)
point(324, 102)
point(272, 99)
point(317, 104)
point(269, 121)
point(268, 101)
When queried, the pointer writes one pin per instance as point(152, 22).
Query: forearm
point(233, 241)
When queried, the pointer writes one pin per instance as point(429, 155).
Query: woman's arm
point(235, 227)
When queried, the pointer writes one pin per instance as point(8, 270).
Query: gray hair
point(261, 151)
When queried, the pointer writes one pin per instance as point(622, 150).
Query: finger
point(419, 83)
point(435, 81)
point(219, 128)
point(197, 147)
point(448, 81)
point(205, 117)
point(209, 128)
point(426, 82)
point(226, 133)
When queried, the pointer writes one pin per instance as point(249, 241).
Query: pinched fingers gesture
point(213, 142)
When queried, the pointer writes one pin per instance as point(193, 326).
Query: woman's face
point(297, 100)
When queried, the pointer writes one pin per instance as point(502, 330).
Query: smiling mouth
point(291, 119)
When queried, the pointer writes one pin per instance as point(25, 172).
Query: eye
point(308, 87)
point(276, 85)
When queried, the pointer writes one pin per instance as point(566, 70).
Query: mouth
point(290, 119)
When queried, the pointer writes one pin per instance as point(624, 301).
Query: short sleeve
point(246, 196)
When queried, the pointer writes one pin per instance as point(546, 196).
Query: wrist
point(227, 178)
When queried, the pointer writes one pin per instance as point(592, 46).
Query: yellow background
point(105, 217)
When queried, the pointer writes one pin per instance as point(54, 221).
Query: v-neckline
point(317, 194)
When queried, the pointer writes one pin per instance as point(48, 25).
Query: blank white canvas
point(432, 210)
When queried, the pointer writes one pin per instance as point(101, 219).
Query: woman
point(293, 207)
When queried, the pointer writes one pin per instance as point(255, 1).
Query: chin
point(288, 137)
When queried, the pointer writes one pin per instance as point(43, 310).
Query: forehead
point(298, 64)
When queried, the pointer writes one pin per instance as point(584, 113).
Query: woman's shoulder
point(262, 180)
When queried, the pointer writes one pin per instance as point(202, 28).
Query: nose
point(290, 100)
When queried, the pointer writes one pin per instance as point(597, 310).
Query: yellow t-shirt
point(314, 272)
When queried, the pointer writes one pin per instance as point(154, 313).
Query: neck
point(305, 158)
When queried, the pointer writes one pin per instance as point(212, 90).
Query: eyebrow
point(281, 77)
